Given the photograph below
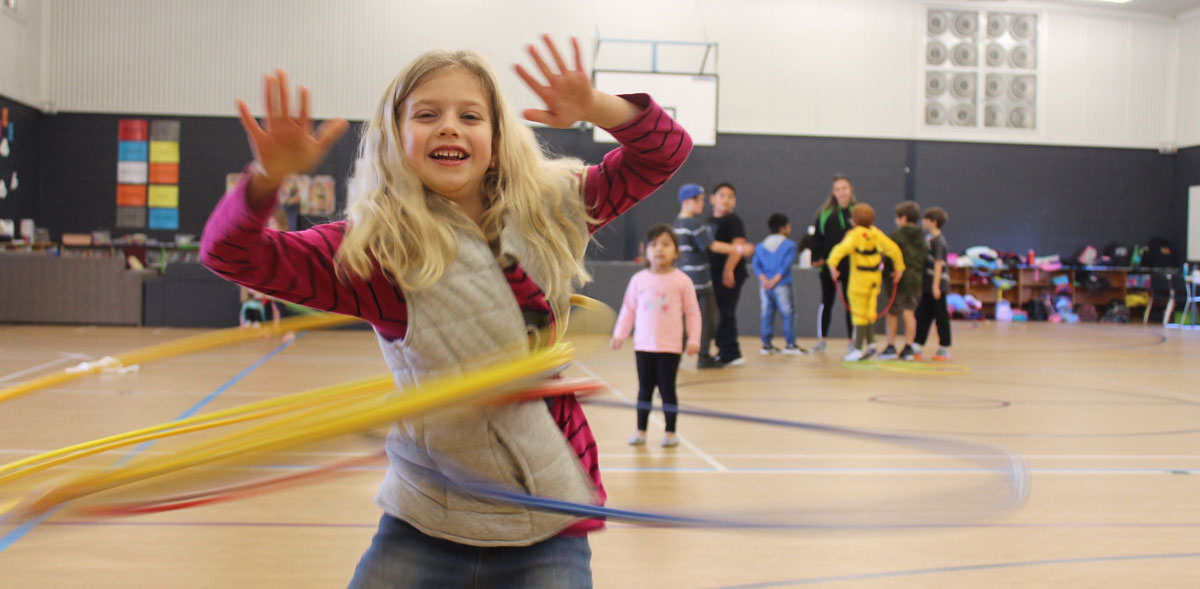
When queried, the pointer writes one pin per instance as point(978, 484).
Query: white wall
point(20, 52)
point(804, 67)
point(1108, 79)
point(1188, 103)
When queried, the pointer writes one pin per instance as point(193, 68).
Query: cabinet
point(1030, 282)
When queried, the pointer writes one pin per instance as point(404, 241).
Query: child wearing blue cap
point(695, 238)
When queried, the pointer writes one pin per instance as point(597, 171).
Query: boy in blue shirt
point(773, 260)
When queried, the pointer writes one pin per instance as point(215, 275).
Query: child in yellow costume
point(866, 245)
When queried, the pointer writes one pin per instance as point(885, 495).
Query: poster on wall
point(148, 173)
point(8, 184)
point(320, 198)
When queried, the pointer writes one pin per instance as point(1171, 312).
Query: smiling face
point(446, 133)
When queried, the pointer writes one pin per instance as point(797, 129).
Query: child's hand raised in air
point(568, 93)
point(286, 144)
point(616, 343)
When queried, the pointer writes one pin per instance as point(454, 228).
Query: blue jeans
point(778, 299)
point(402, 556)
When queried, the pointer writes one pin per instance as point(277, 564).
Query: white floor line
point(934, 457)
point(658, 421)
point(65, 358)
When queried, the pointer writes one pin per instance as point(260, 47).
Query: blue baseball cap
point(690, 191)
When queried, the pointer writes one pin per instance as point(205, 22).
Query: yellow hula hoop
point(320, 423)
point(261, 409)
point(194, 343)
point(358, 407)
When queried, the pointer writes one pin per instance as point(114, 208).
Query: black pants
point(829, 295)
point(708, 321)
point(657, 369)
point(929, 310)
point(727, 330)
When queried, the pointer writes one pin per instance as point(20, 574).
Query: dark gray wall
point(790, 175)
point(1011, 197)
point(1187, 173)
point(23, 158)
point(1051, 199)
point(79, 154)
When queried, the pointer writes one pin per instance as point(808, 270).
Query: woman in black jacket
point(831, 224)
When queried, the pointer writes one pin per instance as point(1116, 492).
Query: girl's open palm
point(286, 144)
point(567, 93)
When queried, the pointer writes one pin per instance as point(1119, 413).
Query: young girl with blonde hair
point(463, 238)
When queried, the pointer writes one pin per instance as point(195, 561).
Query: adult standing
point(831, 224)
point(727, 256)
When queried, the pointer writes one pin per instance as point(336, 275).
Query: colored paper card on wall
point(133, 151)
point(132, 172)
point(131, 195)
point(164, 131)
point(166, 197)
point(4, 117)
point(132, 130)
point(164, 173)
point(164, 152)
point(164, 218)
point(131, 216)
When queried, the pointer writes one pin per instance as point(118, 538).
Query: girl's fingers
point(533, 83)
point(540, 116)
point(284, 100)
point(248, 123)
point(578, 54)
point(329, 132)
point(537, 58)
point(305, 98)
point(268, 100)
point(558, 60)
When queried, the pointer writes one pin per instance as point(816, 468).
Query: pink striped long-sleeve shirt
point(298, 266)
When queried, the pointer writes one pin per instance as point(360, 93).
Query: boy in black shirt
point(937, 282)
point(727, 256)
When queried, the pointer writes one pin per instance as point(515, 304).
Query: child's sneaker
point(907, 354)
point(942, 354)
point(818, 348)
point(768, 350)
point(670, 441)
point(889, 353)
point(916, 350)
point(708, 362)
point(794, 350)
point(637, 439)
point(853, 356)
point(734, 362)
point(869, 353)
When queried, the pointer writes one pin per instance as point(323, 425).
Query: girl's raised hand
point(286, 143)
point(567, 92)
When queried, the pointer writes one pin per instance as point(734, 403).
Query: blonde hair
point(409, 232)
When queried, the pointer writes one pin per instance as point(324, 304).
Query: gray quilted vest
point(470, 320)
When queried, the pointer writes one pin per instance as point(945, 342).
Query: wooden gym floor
point(1107, 418)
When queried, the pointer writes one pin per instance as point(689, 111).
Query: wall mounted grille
point(981, 69)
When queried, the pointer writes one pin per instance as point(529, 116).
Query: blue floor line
point(20, 531)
